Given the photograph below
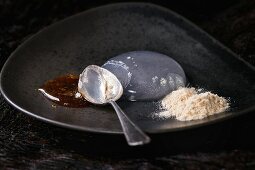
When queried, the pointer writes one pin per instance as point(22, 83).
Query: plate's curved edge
point(134, 3)
point(115, 132)
point(52, 121)
point(206, 34)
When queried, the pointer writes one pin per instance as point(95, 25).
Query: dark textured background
point(26, 143)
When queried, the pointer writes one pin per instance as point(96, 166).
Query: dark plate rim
point(230, 115)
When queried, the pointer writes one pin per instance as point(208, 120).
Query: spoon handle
point(134, 135)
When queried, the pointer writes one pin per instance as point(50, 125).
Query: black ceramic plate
point(98, 34)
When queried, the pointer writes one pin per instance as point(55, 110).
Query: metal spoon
point(100, 86)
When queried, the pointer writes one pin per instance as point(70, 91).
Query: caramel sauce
point(63, 91)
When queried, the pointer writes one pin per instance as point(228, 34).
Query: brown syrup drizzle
point(63, 91)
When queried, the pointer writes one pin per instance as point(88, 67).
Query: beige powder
point(187, 104)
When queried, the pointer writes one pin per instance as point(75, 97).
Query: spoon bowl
point(99, 86)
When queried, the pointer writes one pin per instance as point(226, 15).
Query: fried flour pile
point(187, 104)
